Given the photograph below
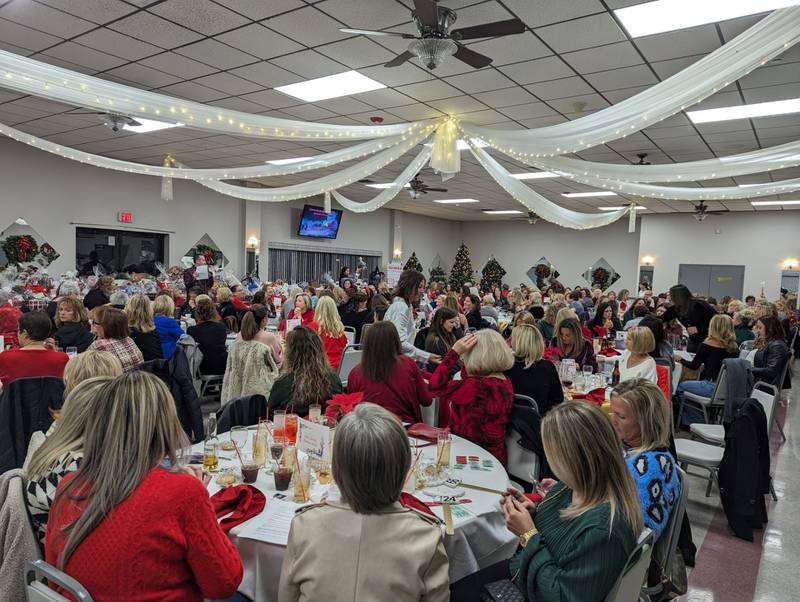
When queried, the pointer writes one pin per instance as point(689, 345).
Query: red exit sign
point(126, 217)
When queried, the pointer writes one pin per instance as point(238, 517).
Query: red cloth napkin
point(421, 430)
point(245, 501)
point(597, 396)
point(411, 501)
point(609, 352)
point(534, 497)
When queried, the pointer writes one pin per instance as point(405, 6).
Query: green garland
point(20, 248)
point(213, 256)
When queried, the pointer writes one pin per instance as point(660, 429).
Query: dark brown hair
point(381, 347)
point(305, 358)
point(773, 331)
point(114, 323)
point(408, 284)
point(437, 330)
point(251, 323)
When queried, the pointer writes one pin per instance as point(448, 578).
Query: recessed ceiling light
point(760, 109)
point(578, 195)
point(501, 211)
point(331, 86)
point(455, 201)
point(772, 203)
point(534, 175)
point(384, 186)
point(668, 15)
point(287, 161)
point(638, 208)
point(148, 125)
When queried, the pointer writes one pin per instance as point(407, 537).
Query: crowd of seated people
point(482, 345)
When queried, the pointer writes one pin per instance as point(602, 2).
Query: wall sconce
point(252, 242)
point(648, 260)
point(790, 264)
point(398, 253)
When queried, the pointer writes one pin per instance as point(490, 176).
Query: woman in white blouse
point(636, 361)
point(407, 292)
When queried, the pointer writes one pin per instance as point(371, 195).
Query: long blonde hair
point(133, 427)
point(68, 436)
point(527, 343)
point(140, 313)
point(327, 318)
point(721, 329)
point(585, 452)
point(650, 409)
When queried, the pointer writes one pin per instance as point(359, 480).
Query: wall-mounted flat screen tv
point(315, 222)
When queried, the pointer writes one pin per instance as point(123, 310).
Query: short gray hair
point(69, 288)
point(5, 297)
point(119, 298)
point(371, 458)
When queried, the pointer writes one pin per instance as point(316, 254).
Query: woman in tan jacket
point(366, 546)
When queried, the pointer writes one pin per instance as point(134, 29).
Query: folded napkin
point(597, 396)
point(410, 501)
point(421, 430)
point(609, 352)
point(242, 502)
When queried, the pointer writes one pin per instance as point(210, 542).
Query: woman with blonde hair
point(139, 310)
point(331, 330)
point(90, 364)
point(477, 406)
point(531, 375)
point(62, 452)
point(250, 367)
point(302, 311)
point(72, 324)
point(641, 417)
point(575, 543)
point(570, 343)
point(547, 324)
point(719, 345)
point(636, 361)
point(132, 490)
point(166, 325)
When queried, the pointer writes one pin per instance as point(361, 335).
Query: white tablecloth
point(481, 539)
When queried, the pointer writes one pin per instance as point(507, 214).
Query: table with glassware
point(471, 483)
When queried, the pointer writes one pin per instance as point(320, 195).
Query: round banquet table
point(480, 539)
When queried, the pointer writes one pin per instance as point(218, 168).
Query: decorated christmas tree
point(413, 263)
point(437, 274)
point(462, 268)
point(492, 274)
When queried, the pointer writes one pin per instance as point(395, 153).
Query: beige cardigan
point(18, 544)
point(250, 371)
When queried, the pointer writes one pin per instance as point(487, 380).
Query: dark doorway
point(118, 250)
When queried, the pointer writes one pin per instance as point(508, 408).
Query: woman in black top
point(444, 331)
point(472, 310)
point(72, 322)
point(720, 345)
point(605, 318)
point(99, 295)
point(772, 352)
point(354, 313)
point(210, 336)
point(531, 375)
point(694, 314)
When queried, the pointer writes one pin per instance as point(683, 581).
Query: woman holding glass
point(570, 344)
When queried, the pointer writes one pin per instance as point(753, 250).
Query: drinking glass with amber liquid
point(443, 445)
point(211, 446)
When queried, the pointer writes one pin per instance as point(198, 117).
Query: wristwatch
point(527, 536)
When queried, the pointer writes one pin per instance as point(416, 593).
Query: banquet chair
point(244, 411)
point(662, 361)
point(700, 454)
point(364, 328)
point(37, 591)
point(629, 584)
point(430, 414)
point(351, 357)
point(717, 399)
point(524, 463)
point(350, 334)
point(745, 348)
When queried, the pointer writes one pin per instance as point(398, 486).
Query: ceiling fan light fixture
point(432, 51)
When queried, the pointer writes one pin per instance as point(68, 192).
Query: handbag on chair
point(501, 591)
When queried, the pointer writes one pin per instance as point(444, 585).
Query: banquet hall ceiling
point(573, 59)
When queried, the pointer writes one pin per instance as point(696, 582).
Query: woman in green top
point(743, 322)
point(576, 543)
point(306, 376)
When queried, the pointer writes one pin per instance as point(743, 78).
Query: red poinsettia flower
point(600, 331)
point(552, 354)
point(341, 404)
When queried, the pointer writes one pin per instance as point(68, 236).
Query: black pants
point(469, 588)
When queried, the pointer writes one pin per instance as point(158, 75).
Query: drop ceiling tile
point(267, 75)
point(15, 49)
point(612, 56)
point(142, 76)
point(536, 13)
point(560, 88)
point(408, 73)
point(44, 18)
point(88, 57)
point(586, 32)
point(216, 54)
point(771, 75)
point(193, 91)
point(615, 96)
point(415, 112)
point(540, 122)
point(366, 15)
point(344, 105)
point(624, 77)
point(482, 80)
point(511, 49)
point(178, 65)
point(357, 52)
point(309, 112)
point(229, 84)
point(202, 16)
point(434, 89)
point(485, 117)
point(96, 11)
point(528, 111)
point(308, 26)
point(385, 98)
point(271, 99)
point(51, 60)
point(579, 104)
point(117, 44)
point(681, 43)
point(237, 104)
point(770, 93)
point(155, 30)
point(259, 41)
point(458, 105)
point(364, 118)
point(665, 69)
point(505, 97)
point(479, 14)
point(24, 37)
point(309, 64)
point(258, 9)
point(539, 70)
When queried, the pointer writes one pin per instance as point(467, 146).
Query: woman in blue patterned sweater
point(641, 418)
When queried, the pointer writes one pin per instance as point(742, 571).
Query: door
point(695, 277)
point(118, 250)
point(790, 280)
point(646, 275)
point(712, 280)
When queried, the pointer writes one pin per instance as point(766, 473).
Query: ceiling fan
point(114, 121)
point(701, 211)
point(642, 159)
point(417, 187)
point(436, 41)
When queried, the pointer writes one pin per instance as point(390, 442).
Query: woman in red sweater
point(479, 403)
point(302, 311)
point(387, 377)
point(331, 330)
point(126, 527)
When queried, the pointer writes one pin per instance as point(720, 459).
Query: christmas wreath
point(20, 248)
point(49, 253)
point(212, 255)
point(601, 278)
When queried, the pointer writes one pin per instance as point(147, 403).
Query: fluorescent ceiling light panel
point(501, 211)
point(148, 125)
point(455, 201)
point(534, 175)
point(668, 15)
point(580, 195)
point(384, 186)
point(760, 109)
point(773, 203)
point(638, 208)
point(287, 161)
point(331, 86)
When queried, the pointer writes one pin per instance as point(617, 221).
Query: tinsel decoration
point(632, 218)
point(166, 183)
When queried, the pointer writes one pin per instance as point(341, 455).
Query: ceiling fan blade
point(400, 59)
point(368, 32)
point(489, 30)
point(427, 12)
point(134, 123)
point(435, 189)
point(472, 58)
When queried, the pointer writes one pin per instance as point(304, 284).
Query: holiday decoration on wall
point(20, 248)
point(437, 274)
point(208, 249)
point(601, 274)
point(492, 274)
point(543, 273)
point(25, 248)
point(413, 263)
point(462, 268)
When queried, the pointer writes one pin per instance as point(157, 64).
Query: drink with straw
point(291, 427)
point(260, 446)
point(302, 481)
point(279, 423)
point(315, 413)
point(443, 444)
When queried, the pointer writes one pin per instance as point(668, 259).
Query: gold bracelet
point(527, 536)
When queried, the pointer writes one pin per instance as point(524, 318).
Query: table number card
point(314, 439)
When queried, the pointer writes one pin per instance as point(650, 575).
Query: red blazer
point(402, 394)
point(305, 320)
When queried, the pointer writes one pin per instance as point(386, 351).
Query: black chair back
point(244, 411)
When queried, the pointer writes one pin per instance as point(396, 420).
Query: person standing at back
point(192, 279)
point(407, 293)
point(695, 314)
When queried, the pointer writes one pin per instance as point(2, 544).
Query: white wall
point(518, 246)
point(760, 242)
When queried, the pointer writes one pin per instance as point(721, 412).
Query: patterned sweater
point(39, 494)
point(658, 486)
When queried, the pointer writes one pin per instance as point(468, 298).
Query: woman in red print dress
point(480, 402)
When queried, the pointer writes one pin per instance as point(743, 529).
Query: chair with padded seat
point(350, 334)
point(629, 583)
point(523, 463)
point(351, 357)
point(703, 455)
point(716, 401)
